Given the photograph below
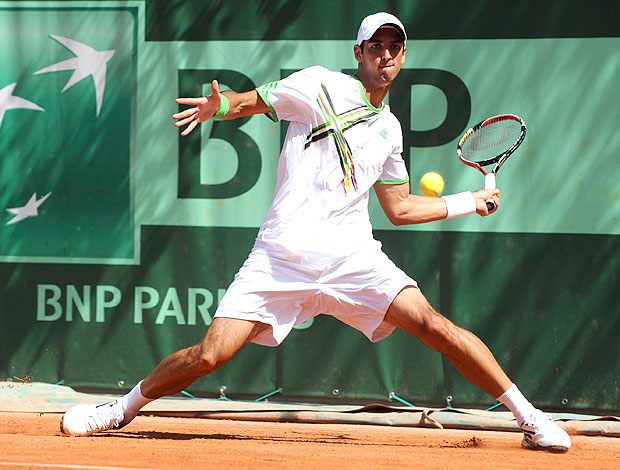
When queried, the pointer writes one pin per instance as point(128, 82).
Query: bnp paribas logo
point(67, 91)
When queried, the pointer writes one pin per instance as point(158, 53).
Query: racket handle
point(489, 183)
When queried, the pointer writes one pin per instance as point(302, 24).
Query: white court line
point(69, 466)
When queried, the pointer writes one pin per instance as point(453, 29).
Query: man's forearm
point(243, 104)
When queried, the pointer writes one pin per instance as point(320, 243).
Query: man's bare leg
point(224, 338)
point(411, 312)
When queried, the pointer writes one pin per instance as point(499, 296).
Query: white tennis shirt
point(337, 147)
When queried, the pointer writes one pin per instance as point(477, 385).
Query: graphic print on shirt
point(335, 125)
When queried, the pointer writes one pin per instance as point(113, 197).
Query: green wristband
point(224, 107)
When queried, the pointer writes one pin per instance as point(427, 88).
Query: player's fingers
point(215, 88)
point(182, 122)
point(190, 101)
point(492, 194)
point(489, 193)
point(189, 128)
point(185, 113)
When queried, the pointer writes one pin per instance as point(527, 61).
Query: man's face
point(382, 57)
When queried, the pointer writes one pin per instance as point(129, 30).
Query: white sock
point(517, 403)
point(133, 402)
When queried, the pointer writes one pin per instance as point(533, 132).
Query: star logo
point(31, 209)
point(88, 62)
point(10, 101)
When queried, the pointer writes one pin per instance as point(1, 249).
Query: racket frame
point(498, 160)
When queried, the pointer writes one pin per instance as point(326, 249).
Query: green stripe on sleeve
point(406, 180)
point(262, 92)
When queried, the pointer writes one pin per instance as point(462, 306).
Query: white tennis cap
point(372, 23)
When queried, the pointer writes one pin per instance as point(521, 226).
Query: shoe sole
point(558, 449)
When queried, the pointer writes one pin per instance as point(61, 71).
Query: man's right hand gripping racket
point(489, 142)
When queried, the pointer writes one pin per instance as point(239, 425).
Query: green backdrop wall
point(119, 238)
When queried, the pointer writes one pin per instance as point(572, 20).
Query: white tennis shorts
point(286, 290)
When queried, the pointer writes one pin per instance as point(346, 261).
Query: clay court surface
point(33, 441)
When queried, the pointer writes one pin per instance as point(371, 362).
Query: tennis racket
point(490, 142)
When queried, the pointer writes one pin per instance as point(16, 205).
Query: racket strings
point(491, 141)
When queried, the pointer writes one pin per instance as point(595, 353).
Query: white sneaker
point(541, 433)
point(84, 420)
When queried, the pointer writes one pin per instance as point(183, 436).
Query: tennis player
point(315, 252)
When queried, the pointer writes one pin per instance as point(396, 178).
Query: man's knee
point(209, 359)
point(411, 312)
point(223, 340)
point(421, 320)
point(435, 325)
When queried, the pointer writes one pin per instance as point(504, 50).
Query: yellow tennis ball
point(431, 184)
